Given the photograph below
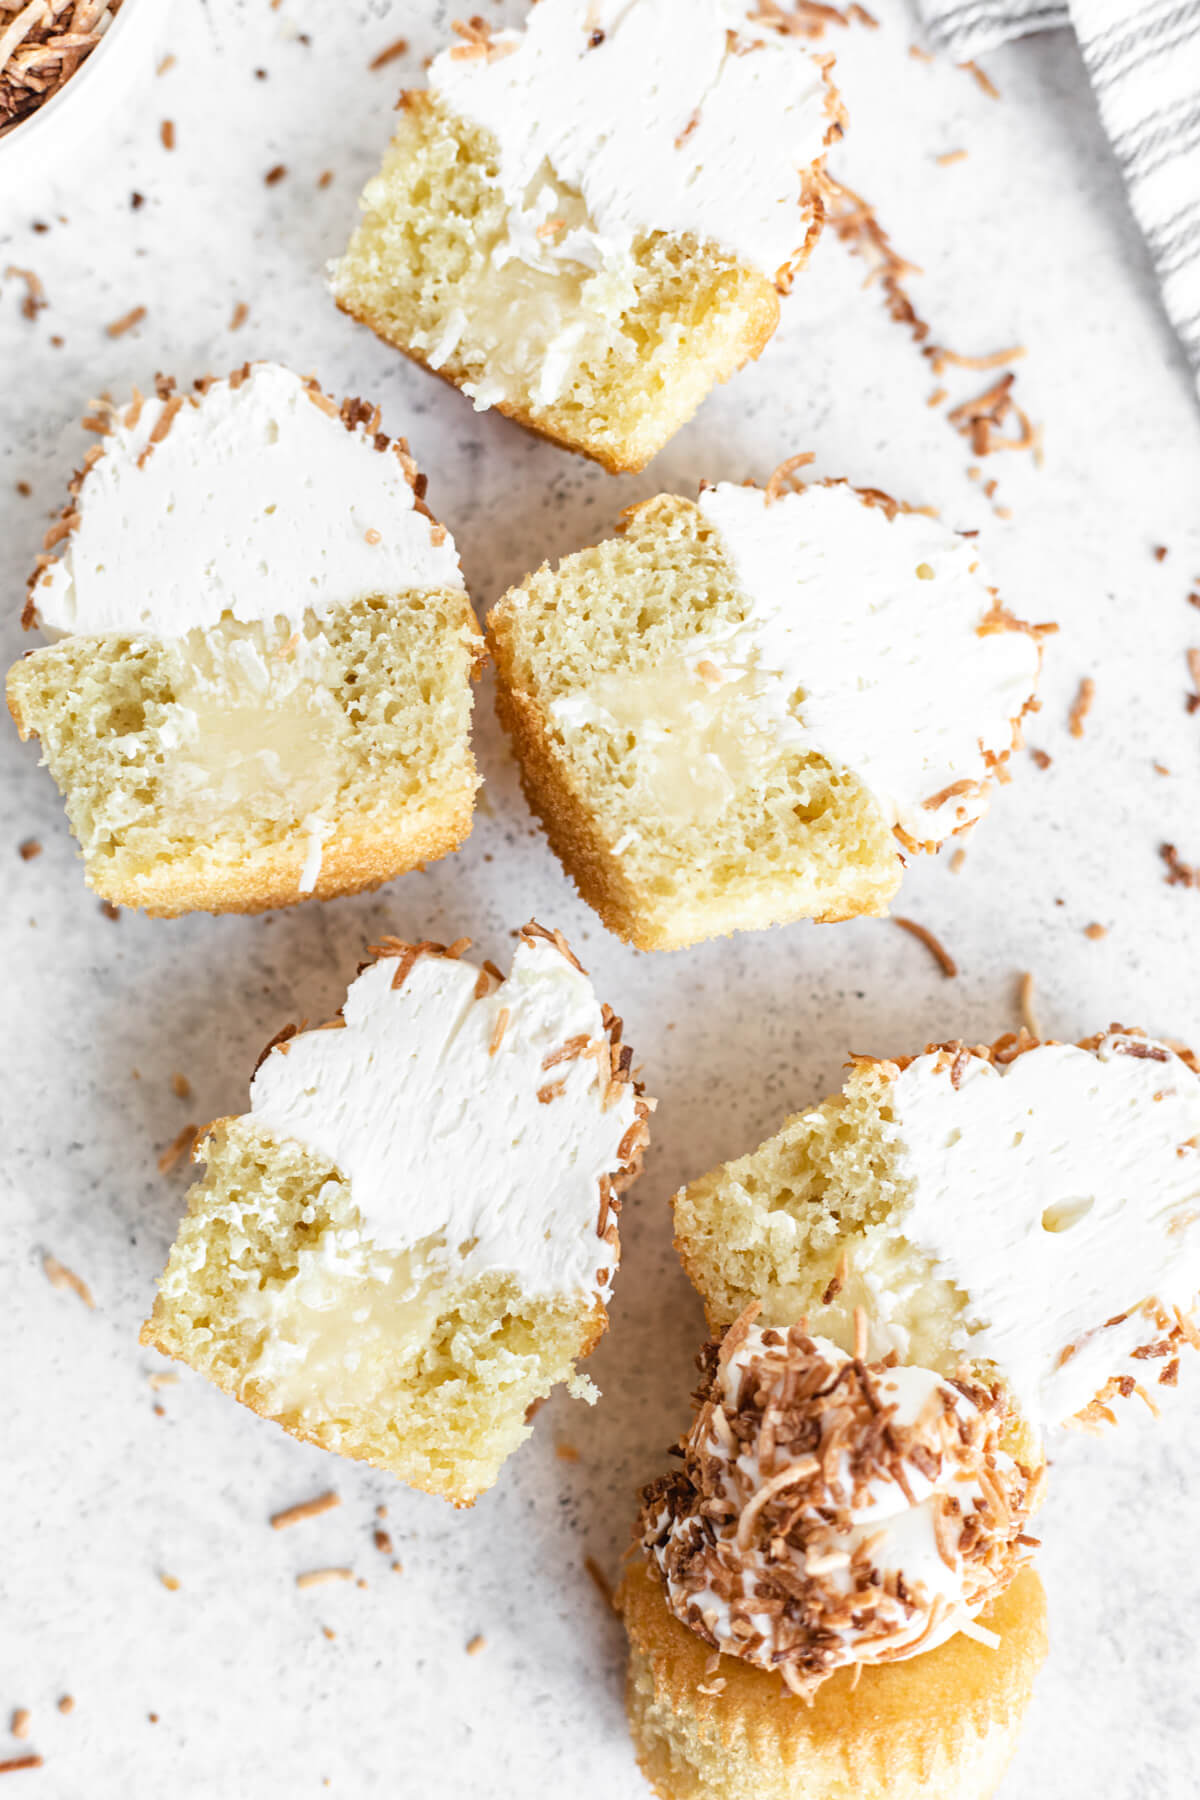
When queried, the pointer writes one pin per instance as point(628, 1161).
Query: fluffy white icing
point(1056, 1193)
point(644, 108)
point(902, 1525)
point(256, 503)
point(862, 644)
point(445, 1143)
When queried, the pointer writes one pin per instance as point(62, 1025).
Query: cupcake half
point(586, 224)
point(261, 684)
point(835, 1598)
point(746, 709)
point(1030, 1207)
point(412, 1234)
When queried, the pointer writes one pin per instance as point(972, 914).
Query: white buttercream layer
point(862, 643)
point(257, 503)
point(1057, 1193)
point(681, 116)
point(429, 1102)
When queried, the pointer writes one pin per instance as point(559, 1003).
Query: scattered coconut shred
point(66, 1280)
point(990, 422)
point(34, 298)
point(41, 46)
point(312, 1578)
point(307, 1509)
point(934, 945)
point(177, 1149)
point(1082, 706)
point(1179, 873)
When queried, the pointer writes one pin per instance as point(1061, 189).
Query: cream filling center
point(253, 718)
point(545, 295)
point(340, 1331)
point(685, 732)
point(909, 1307)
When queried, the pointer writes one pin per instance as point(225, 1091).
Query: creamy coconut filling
point(866, 638)
point(829, 1512)
point(721, 149)
point(546, 296)
point(479, 1122)
point(254, 714)
point(692, 736)
point(1058, 1195)
point(344, 1323)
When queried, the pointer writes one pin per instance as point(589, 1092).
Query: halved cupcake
point(261, 684)
point(1031, 1206)
point(745, 709)
point(835, 1600)
point(411, 1236)
point(587, 223)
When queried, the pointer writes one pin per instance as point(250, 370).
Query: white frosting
point(903, 1526)
point(1056, 1192)
point(862, 644)
point(645, 109)
point(445, 1143)
point(256, 503)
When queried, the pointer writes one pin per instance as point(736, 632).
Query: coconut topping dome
point(830, 1511)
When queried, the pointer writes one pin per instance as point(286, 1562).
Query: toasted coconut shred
point(934, 945)
point(178, 1149)
point(35, 294)
point(1025, 1004)
point(991, 421)
point(388, 54)
point(307, 1509)
point(763, 1540)
point(66, 1280)
point(1082, 706)
point(312, 1578)
point(126, 322)
point(1179, 873)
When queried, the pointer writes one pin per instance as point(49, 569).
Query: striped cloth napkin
point(1143, 57)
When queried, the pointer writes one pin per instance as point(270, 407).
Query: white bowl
point(74, 122)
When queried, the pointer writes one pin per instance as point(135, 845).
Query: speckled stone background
point(227, 1687)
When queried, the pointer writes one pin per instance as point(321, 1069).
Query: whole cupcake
point(835, 1598)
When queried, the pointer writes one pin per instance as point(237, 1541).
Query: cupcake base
point(942, 1726)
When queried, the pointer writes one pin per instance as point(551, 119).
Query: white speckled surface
point(1028, 239)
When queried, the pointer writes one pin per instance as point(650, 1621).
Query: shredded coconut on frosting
point(254, 495)
point(1057, 1186)
point(432, 1101)
point(730, 112)
point(832, 1512)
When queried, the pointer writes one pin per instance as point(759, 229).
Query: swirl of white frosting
point(831, 1512)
